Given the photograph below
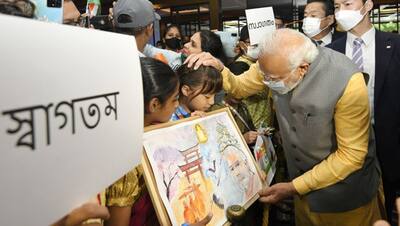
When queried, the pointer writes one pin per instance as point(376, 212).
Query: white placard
point(259, 22)
point(71, 117)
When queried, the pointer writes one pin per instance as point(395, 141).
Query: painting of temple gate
point(201, 167)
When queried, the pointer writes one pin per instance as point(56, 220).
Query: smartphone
point(49, 10)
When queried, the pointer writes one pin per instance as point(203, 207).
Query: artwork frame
point(150, 178)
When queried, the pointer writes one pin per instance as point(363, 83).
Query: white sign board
point(259, 22)
point(71, 117)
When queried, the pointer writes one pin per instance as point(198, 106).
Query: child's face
point(164, 113)
point(202, 102)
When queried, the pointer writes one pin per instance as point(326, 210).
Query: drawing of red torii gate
point(193, 161)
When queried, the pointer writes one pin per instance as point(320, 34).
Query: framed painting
point(199, 166)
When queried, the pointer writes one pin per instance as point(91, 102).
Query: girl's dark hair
point(159, 80)
point(211, 42)
point(207, 78)
point(172, 26)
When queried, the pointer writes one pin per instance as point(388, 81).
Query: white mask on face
point(311, 26)
point(253, 52)
point(348, 19)
point(280, 86)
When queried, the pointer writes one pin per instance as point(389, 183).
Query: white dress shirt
point(368, 53)
point(327, 39)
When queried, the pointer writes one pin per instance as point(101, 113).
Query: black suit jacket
point(386, 100)
point(337, 35)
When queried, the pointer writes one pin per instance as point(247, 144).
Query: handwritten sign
point(71, 117)
point(259, 22)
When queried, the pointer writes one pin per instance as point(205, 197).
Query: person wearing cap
point(136, 18)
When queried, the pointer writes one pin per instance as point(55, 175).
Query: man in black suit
point(378, 54)
point(319, 22)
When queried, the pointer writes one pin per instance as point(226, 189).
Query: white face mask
point(253, 52)
point(348, 19)
point(280, 86)
point(311, 26)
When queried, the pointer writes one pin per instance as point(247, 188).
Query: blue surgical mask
point(277, 86)
point(280, 86)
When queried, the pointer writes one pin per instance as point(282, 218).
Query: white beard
point(244, 183)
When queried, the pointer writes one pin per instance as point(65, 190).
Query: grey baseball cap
point(134, 13)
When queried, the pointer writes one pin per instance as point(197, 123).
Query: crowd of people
point(330, 92)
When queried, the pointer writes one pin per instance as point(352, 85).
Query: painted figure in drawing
point(201, 167)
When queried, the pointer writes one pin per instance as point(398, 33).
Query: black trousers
point(392, 191)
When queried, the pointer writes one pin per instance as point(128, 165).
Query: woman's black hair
point(159, 80)
point(244, 34)
point(207, 78)
point(211, 42)
point(162, 44)
point(172, 26)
